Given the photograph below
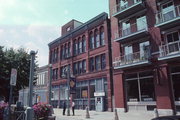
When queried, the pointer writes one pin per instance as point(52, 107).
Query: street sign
point(13, 77)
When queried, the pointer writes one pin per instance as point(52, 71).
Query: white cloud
point(32, 37)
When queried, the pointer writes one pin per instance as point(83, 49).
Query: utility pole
point(50, 82)
point(29, 110)
point(68, 80)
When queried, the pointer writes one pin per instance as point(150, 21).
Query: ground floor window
point(175, 74)
point(140, 87)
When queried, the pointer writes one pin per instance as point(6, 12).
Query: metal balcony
point(124, 11)
point(132, 33)
point(169, 51)
point(168, 20)
point(131, 60)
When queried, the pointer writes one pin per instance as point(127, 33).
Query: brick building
point(145, 54)
point(84, 49)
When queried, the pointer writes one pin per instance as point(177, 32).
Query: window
point(75, 68)
point(126, 28)
point(140, 87)
point(79, 46)
point(141, 23)
point(144, 47)
point(69, 49)
point(128, 53)
point(91, 65)
point(173, 42)
point(103, 61)
point(91, 41)
point(168, 11)
point(62, 52)
point(97, 40)
point(68, 29)
point(84, 66)
point(79, 67)
point(102, 36)
point(75, 47)
point(84, 44)
point(98, 63)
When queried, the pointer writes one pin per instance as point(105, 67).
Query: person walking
point(73, 106)
point(64, 107)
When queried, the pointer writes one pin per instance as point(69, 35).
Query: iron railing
point(118, 7)
point(132, 58)
point(162, 17)
point(134, 28)
point(169, 49)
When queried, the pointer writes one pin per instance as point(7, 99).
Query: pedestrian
point(64, 107)
point(73, 106)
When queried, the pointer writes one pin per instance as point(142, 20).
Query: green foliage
point(18, 59)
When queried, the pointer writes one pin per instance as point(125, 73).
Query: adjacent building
point(40, 90)
point(145, 54)
point(84, 49)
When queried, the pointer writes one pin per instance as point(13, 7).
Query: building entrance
point(175, 76)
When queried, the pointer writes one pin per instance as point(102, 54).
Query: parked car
point(167, 118)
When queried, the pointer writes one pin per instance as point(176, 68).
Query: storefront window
point(140, 87)
point(175, 73)
point(132, 90)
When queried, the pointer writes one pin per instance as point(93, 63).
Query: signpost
point(13, 80)
point(13, 77)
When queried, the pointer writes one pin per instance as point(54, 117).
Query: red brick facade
point(129, 46)
point(100, 22)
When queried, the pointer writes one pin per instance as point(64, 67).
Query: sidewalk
point(81, 115)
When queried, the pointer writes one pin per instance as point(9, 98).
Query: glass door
point(141, 23)
point(128, 54)
point(126, 28)
point(168, 11)
point(144, 47)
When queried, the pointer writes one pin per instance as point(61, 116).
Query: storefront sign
point(99, 94)
point(13, 77)
point(84, 93)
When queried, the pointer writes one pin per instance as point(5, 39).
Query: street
point(81, 115)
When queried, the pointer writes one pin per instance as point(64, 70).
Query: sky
point(32, 24)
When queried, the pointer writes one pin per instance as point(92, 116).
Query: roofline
point(80, 27)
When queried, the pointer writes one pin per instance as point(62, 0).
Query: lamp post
point(29, 110)
point(67, 70)
point(50, 82)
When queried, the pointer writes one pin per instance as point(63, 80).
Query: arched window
point(84, 43)
point(65, 51)
point(91, 40)
point(62, 52)
point(69, 49)
point(102, 41)
point(96, 36)
point(79, 45)
point(75, 47)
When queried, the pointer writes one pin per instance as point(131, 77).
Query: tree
point(20, 60)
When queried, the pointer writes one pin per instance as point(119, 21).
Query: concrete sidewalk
point(81, 115)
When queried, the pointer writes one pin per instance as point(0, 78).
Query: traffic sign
point(13, 77)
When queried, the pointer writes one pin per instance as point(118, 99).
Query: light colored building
point(40, 91)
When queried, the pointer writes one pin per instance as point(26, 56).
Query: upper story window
point(79, 45)
point(68, 29)
point(96, 37)
point(75, 48)
point(124, 4)
point(84, 43)
point(91, 64)
point(64, 70)
point(97, 63)
point(168, 11)
point(91, 40)
point(79, 67)
point(55, 74)
point(69, 49)
point(102, 41)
